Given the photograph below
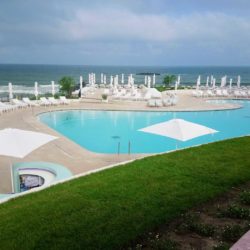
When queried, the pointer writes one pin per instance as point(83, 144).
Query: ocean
point(26, 75)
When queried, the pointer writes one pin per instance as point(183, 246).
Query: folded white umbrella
point(230, 83)
point(122, 80)
point(111, 81)
point(179, 79)
point(101, 78)
point(36, 90)
point(238, 81)
point(214, 82)
point(19, 143)
point(153, 80)
point(198, 83)
point(53, 91)
point(176, 85)
point(207, 82)
point(93, 80)
point(80, 90)
point(149, 82)
point(223, 81)
point(179, 129)
point(10, 91)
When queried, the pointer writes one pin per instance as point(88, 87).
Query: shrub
point(138, 247)
point(33, 98)
point(162, 88)
point(188, 223)
point(104, 96)
point(204, 229)
point(221, 246)
point(235, 212)
point(57, 95)
point(232, 233)
point(168, 79)
point(164, 244)
point(67, 84)
point(191, 223)
point(245, 197)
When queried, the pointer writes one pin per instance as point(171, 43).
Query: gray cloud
point(124, 32)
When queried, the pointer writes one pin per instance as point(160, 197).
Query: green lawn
point(108, 209)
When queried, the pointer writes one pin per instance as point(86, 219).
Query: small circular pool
point(28, 175)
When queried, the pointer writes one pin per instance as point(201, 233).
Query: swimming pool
point(117, 131)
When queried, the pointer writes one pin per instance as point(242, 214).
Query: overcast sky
point(125, 32)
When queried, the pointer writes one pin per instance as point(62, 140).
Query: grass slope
point(108, 209)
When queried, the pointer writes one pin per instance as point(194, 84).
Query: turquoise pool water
point(113, 131)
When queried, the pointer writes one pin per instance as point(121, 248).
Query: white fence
point(19, 89)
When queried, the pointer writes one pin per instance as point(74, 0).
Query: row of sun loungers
point(163, 102)
point(26, 102)
point(133, 95)
point(129, 96)
point(52, 101)
point(153, 99)
point(7, 107)
point(222, 93)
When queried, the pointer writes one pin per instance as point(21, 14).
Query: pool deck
point(67, 153)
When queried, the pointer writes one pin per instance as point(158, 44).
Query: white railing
point(19, 89)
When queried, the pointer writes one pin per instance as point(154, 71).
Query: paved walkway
point(67, 153)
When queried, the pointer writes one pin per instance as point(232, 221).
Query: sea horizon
point(27, 74)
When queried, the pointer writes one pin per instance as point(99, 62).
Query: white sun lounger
point(117, 95)
point(137, 97)
point(151, 103)
point(44, 101)
point(237, 93)
point(158, 103)
point(197, 93)
point(243, 93)
point(173, 100)
point(225, 93)
point(210, 93)
point(147, 97)
point(7, 107)
point(218, 92)
point(3, 109)
point(53, 101)
point(29, 102)
point(126, 96)
point(167, 102)
point(19, 103)
point(63, 100)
